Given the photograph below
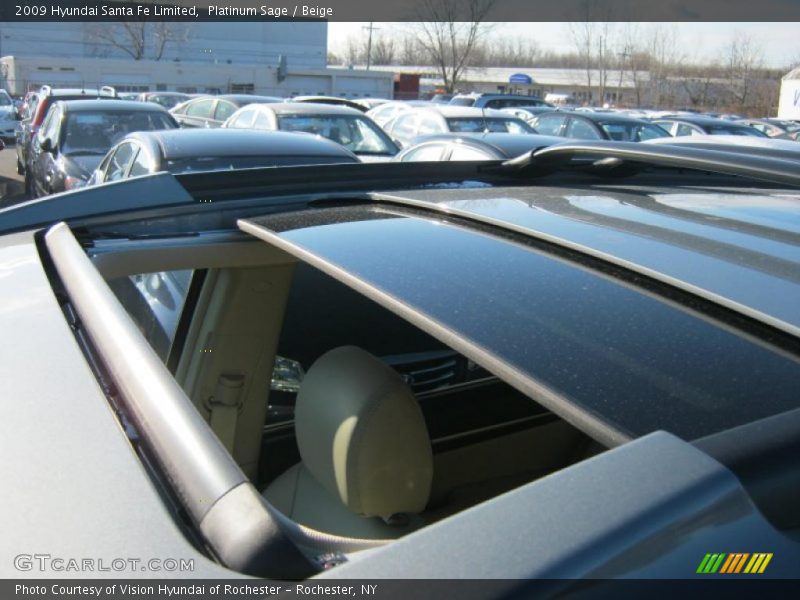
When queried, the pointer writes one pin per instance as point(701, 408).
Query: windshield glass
point(479, 124)
point(355, 133)
point(168, 101)
point(789, 126)
point(733, 130)
point(96, 131)
point(5, 100)
point(632, 132)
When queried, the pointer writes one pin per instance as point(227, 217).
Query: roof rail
point(108, 90)
point(611, 155)
point(236, 522)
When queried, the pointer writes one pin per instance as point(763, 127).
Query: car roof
point(606, 117)
point(181, 94)
point(248, 98)
point(310, 108)
point(451, 111)
point(491, 95)
point(76, 92)
point(110, 105)
point(187, 143)
point(509, 144)
point(703, 121)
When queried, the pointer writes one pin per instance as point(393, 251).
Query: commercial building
point(789, 102)
point(563, 85)
point(271, 58)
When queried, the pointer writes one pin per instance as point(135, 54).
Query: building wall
point(789, 103)
point(304, 44)
point(22, 74)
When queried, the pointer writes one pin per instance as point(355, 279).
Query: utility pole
point(623, 55)
point(371, 28)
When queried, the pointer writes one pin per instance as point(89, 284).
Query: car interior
point(348, 419)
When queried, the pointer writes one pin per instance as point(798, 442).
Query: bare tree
point(593, 40)
point(448, 31)
point(662, 47)
point(383, 50)
point(355, 51)
point(743, 59)
point(138, 39)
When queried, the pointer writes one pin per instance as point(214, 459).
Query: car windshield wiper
point(622, 156)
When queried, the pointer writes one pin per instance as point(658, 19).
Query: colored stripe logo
point(734, 563)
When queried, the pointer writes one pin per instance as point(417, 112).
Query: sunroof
point(616, 360)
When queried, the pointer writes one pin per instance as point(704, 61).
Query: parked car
point(346, 126)
point(429, 120)
point(212, 111)
point(482, 100)
point(38, 106)
point(775, 128)
point(9, 118)
point(597, 126)
point(196, 150)
point(441, 98)
point(370, 103)
point(528, 113)
point(166, 99)
point(334, 100)
point(699, 125)
point(76, 135)
point(410, 371)
point(753, 146)
point(386, 112)
point(473, 146)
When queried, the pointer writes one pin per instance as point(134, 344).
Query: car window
point(549, 124)
point(432, 152)
point(632, 132)
point(224, 110)
point(49, 129)
point(166, 101)
point(119, 162)
point(155, 302)
point(355, 133)
point(30, 110)
point(462, 152)
point(504, 102)
point(201, 108)
point(725, 129)
point(244, 120)
point(429, 124)
point(262, 121)
point(581, 130)
point(94, 132)
point(142, 165)
point(683, 129)
point(404, 126)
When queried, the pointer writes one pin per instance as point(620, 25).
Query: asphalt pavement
point(12, 186)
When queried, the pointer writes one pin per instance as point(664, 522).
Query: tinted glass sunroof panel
point(621, 355)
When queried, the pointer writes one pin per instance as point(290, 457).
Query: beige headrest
point(361, 434)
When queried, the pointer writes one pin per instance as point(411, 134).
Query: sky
point(699, 41)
